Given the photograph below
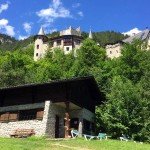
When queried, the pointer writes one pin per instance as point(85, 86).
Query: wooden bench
point(21, 133)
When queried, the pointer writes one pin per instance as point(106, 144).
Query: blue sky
point(22, 18)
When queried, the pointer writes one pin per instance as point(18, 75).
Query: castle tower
point(40, 45)
point(90, 35)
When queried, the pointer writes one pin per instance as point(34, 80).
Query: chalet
point(44, 107)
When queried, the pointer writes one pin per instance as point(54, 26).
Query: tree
point(123, 110)
point(13, 69)
point(132, 56)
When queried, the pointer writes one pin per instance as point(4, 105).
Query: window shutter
point(39, 114)
point(13, 116)
point(4, 117)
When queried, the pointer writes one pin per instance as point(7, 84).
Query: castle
point(114, 50)
point(69, 40)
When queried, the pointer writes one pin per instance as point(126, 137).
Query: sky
point(22, 18)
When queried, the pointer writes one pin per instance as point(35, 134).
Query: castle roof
point(90, 35)
point(143, 35)
point(71, 31)
point(41, 31)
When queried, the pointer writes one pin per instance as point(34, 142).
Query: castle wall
point(40, 49)
point(113, 51)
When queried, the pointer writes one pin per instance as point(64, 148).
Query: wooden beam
point(67, 121)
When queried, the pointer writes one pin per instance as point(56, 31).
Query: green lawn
point(73, 144)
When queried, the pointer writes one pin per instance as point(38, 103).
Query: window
point(27, 115)
point(37, 46)
point(88, 126)
point(117, 51)
point(13, 116)
point(67, 41)
point(74, 123)
point(8, 116)
point(110, 52)
point(22, 115)
point(78, 42)
point(58, 42)
point(4, 117)
point(31, 114)
point(67, 48)
point(39, 114)
point(37, 54)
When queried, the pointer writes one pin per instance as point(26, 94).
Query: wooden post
point(67, 121)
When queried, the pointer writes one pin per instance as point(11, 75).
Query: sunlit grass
point(72, 144)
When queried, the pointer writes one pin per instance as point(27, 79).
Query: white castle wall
point(42, 49)
point(113, 51)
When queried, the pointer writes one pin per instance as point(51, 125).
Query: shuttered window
point(31, 114)
point(39, 114)
point(13, 116)
point(4, 117)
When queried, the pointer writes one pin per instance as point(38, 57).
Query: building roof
point(41, 31)
point(82, 91)
point(48, 83)
point(143, 35)
point(71, 31)
point(66, 36)
point(90, 35)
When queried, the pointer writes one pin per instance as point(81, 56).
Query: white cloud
point(27, 27)
point(55, 10)
point(132, 32)
point(10, 30)
point(3, 7)
point(3, 22)
point(6, 28)
point(80, 13)
point(22, 37)
point(76, 5)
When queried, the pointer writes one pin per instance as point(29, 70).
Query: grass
point(72, 144)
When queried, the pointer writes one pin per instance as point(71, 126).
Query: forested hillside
point(15, 44)
point(6, 39)
point(124, 81)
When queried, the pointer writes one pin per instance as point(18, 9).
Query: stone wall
point(51, 118)
point(39, 126)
